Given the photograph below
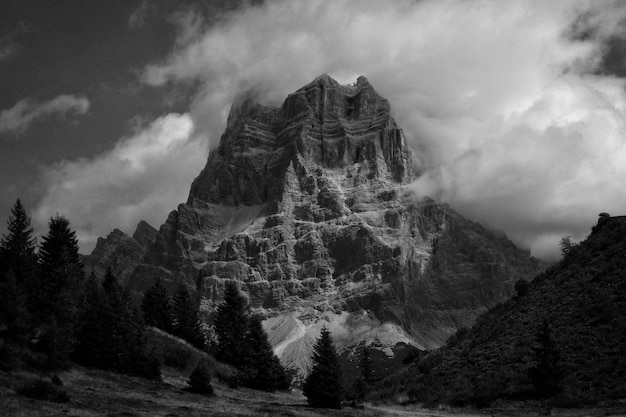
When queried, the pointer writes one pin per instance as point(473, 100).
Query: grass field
point(98, 393)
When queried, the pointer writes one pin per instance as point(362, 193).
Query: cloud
point(502, 101)
point(25, 112)
point(143, 176)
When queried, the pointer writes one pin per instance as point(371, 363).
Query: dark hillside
point(575, 311)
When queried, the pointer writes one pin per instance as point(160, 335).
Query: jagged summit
point(307, 206)
point(323, 123)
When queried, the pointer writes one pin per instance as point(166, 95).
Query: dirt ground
point(98, 393)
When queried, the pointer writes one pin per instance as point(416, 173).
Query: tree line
point(53, 315)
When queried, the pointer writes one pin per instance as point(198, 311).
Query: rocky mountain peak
point(322, 125)
point(145, 234)
point(307, 205)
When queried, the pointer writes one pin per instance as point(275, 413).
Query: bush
point(200, 379)
point(43, 390)
point(521, 288)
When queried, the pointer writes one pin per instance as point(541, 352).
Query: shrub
point(200, 379)
point(40, 389)
point(521, 288)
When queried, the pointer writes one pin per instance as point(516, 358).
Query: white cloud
point(497, 97)
point(25, 112)
point(143, 177)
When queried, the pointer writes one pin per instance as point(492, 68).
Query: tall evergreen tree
point(156, 307)
point(59, 291)
point(262, 368)
point(365, 363)
point(547, 373)
point(17, 271)
point(186, 319)
point(231, 324)
point(323, 386)
point(18, 246)
point(111, 334)
point(93, 333)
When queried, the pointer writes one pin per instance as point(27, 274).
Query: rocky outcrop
point(120, 252)
point(307, 206)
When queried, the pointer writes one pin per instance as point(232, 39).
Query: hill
point(581, 301)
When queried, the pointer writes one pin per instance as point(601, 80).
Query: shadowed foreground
point(99, 393)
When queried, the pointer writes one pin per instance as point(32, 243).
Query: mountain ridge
point(580, 300)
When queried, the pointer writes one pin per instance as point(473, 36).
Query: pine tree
point(262, 368)
point(93, 331)
point(366, 365)
point(547, 373)
point(323, 387)
point(18, 246)
point(18, 263)
point(111, 334)
point(231, 324)
point(186, 321)
point(156, 307)
point(58, 294)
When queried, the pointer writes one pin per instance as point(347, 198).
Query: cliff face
point(307, 205)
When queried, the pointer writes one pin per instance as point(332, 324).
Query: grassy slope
point(583, 298)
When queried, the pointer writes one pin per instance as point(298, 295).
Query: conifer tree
point(231, 324)
point(93, 333)
point(18, 246)
point(156, 307)
point(111, 335)
point(365, 363)
point(323, 386)
point(58, 291)
point(186, 321)
point(547, 373)
point(17, 271)
point(262, 368)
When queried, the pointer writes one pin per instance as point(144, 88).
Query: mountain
point(582, 303)
point(120, 251)
point(309, 207)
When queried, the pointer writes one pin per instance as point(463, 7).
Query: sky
point(515, 109)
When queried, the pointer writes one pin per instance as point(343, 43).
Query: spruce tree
point(156, 307)
point(547, 373)
point(262, 368)
point(365, 363)
point(111, 336)
point(93, 333)
point(323, 386)
point(59, 291)
point(17, 248)
point(186, 320)
point(18, 270)
point(231, 324)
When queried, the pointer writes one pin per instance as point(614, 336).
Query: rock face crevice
point(308, 206)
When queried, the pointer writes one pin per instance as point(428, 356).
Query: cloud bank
point(500, 100)
point(143, 177)
point(25, 112)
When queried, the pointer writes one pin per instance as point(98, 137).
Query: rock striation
point(308, 207)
